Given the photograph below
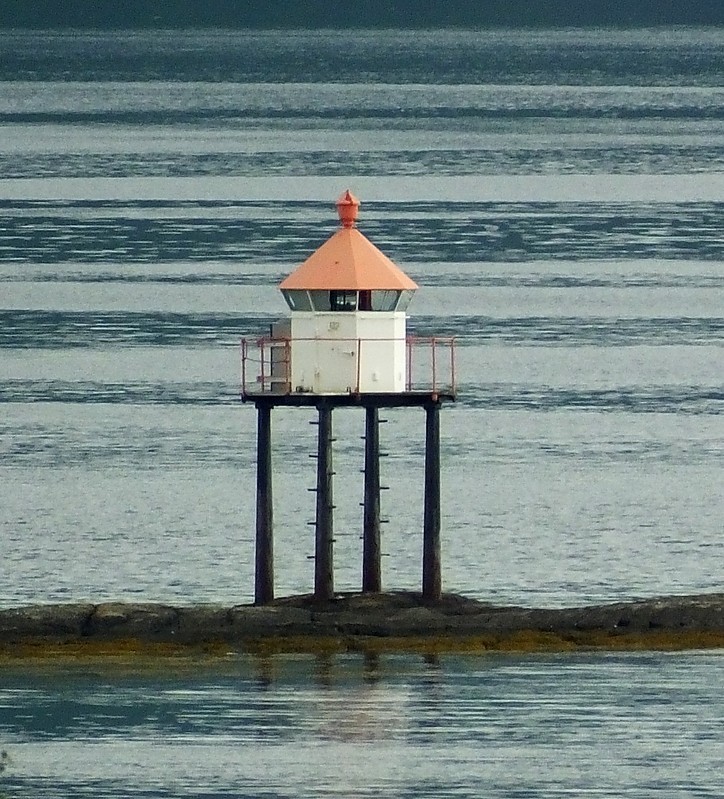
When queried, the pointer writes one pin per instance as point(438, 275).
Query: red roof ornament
point(348, 208)
point(348, 261)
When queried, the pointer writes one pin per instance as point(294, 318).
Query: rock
point(147, 621)
point(246, 621)
point(201, 624)
point(402, 614)
point(44, 621)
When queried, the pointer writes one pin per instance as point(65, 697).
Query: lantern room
point(346, 332)
point(347, 329)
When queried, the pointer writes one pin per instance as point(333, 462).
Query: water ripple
point(62, 232)
point(517, 159)
point(620, 726)
point(93, 329)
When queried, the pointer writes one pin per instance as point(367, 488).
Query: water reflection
point(376, 725)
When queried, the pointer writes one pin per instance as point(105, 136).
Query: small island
point(399, 621)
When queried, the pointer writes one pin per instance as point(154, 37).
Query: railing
point(266, 364)
point(431, 364)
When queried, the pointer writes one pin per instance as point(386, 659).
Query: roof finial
point(347, 208)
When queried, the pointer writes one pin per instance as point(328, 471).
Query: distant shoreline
point(404, 14)
point(387, 622)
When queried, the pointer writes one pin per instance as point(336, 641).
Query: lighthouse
point(347, 328)
point(345, 343)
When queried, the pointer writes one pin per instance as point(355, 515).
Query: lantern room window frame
point(347, 300)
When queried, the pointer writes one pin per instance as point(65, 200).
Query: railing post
point(359, 364)
point(262, 376)
point(288, 364)
point(434, 364)
point(453, 377)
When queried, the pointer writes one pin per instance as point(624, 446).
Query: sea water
point(558, 198)
point(634, 725)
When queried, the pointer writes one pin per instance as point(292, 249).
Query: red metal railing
point(430, 360)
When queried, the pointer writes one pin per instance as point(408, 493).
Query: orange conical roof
point(348, 261)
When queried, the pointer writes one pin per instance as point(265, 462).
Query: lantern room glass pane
point(343, 300)
point(385, 300)
point(405, 299)
point(297, 300)
point(320, 300)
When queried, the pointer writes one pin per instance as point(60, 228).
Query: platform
point(406, 399)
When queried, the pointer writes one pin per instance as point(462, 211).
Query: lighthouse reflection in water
point(390, 726)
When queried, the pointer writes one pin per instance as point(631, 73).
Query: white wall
point(342, 352)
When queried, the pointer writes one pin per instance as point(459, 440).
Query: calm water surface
point(564, 225)
point(558, 197)
point(613, 726)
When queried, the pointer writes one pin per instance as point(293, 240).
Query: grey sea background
point(558, 196)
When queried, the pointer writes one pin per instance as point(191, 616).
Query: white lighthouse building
point(345, 344)
point(347, 331)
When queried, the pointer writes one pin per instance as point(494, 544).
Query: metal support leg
point(264, 586)
point(371, 555)
point(323, 561)
point(431, 577)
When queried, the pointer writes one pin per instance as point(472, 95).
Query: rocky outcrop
point(355, 620)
